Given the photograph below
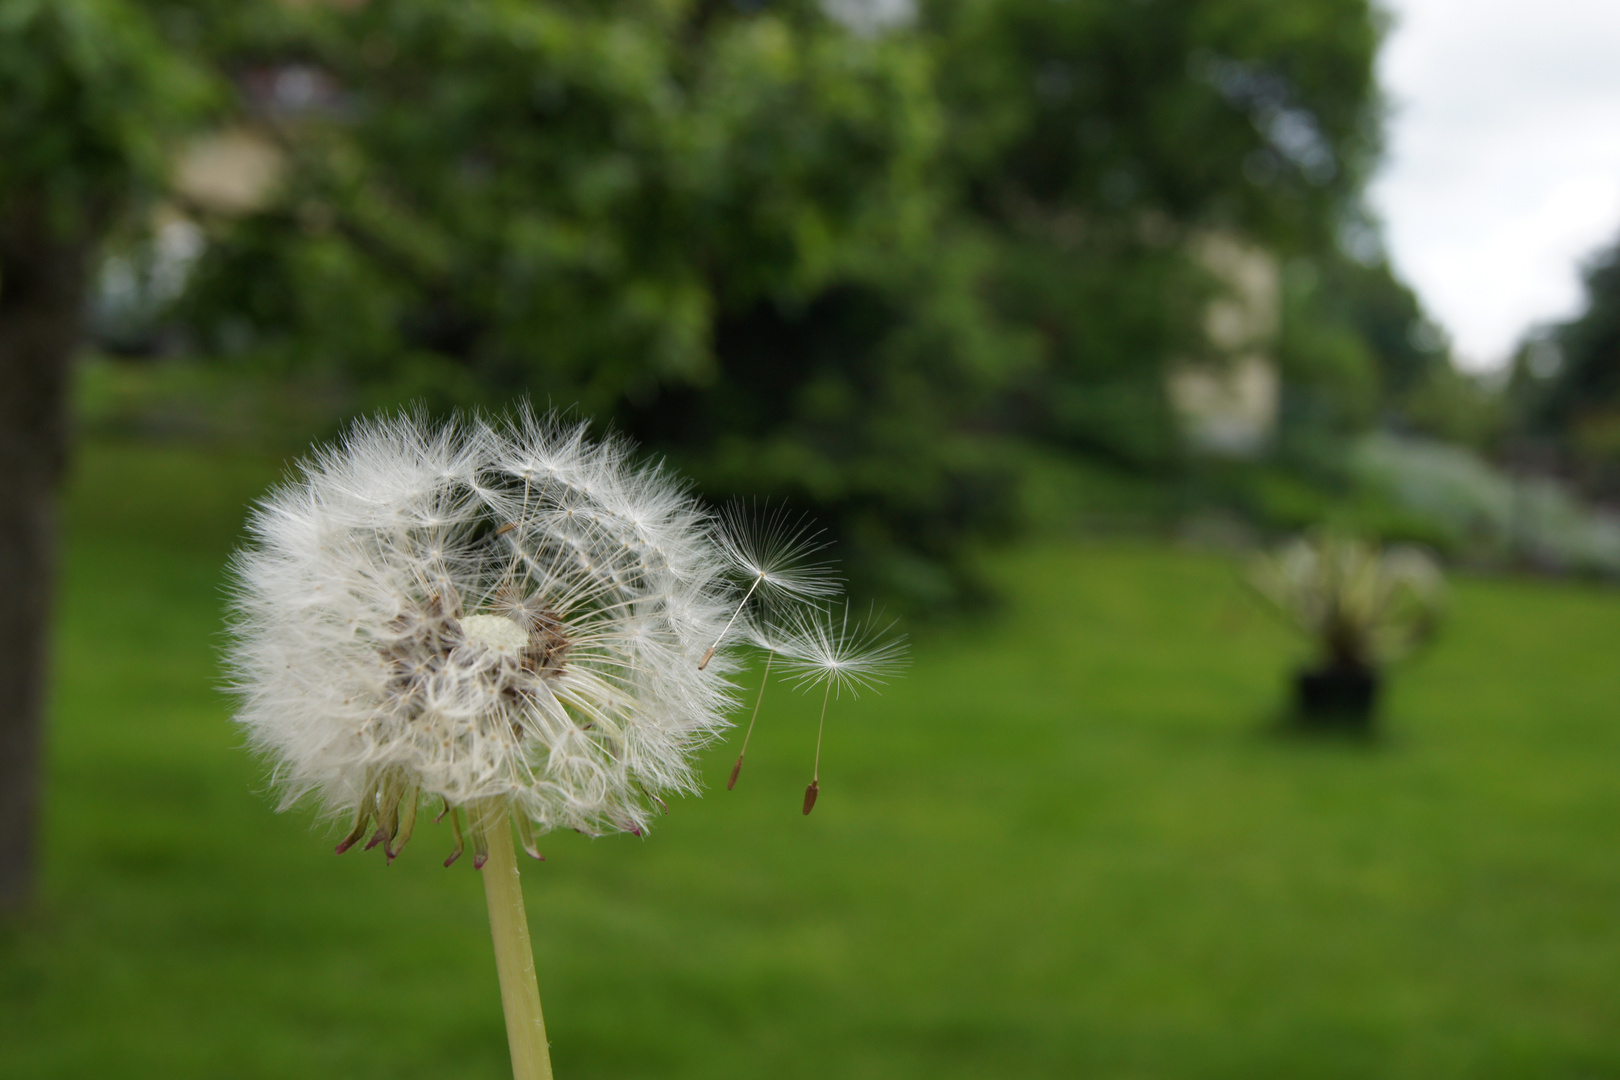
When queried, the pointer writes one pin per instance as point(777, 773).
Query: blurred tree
point(91, 92)
point(1407, 349)
point(720, 227)
point(1566, 382)
point(1358, 350)
point(1099, 140)
point(1356, 344)
point(1331, 371)
point(856, 264)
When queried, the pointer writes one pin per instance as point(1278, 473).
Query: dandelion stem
point(514, 957)
point(710, 654)
point(749, 734)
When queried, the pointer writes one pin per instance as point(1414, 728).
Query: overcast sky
point(1503, 165)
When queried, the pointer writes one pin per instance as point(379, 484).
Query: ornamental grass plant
point(1363, 607)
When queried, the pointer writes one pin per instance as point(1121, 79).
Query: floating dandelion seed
point(770, 554)
point(843, 656)
point(775, 548)
point(513, 622)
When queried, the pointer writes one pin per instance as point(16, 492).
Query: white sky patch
point(1503, 166)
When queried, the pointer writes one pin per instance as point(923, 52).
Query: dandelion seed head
point(479, 611)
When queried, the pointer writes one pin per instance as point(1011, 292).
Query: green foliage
point(1456, 407)
point(1590, 345)
point(94, 99)
point(1098, 141)
point(1240, 114)
point(565, 199)
point(1330, 370)
point(1385, 313)
point(863, 404)
point(1107, 319)
point(722, 231)
point(1356, 346)
point(895, 276)
point(1566, 383)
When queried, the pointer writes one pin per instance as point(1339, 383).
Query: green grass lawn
point(1061, 846)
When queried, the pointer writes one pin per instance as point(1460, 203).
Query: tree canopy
point(873, 270)
point(879, 268)
point(1566, 384)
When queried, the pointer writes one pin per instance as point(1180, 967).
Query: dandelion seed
point(772, 553)
point(841, 656)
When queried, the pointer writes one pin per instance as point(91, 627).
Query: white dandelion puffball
point(504, 616)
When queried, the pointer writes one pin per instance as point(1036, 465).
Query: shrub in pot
point(1363, 606)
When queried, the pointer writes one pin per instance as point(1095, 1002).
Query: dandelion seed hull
point(810, 794)
point(353, 838)
point(407, 823)
point(526, 834)
point(735, 769)
point(455, 830)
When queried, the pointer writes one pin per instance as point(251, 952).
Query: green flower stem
point(514, 957)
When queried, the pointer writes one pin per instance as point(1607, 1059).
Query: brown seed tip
point(504, 529)
point(735, 769)
point(454, 855)
point(347, 843)
point(375, 840)
point(703, 663)
point(479, 861)
point(810, 794)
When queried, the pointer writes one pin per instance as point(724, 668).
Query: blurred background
point(1050, 311)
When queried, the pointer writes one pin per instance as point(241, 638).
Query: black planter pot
point(1336, 699)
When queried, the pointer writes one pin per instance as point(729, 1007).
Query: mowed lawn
point(1064, 845)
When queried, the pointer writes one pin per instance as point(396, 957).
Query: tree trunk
point(43, 276)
